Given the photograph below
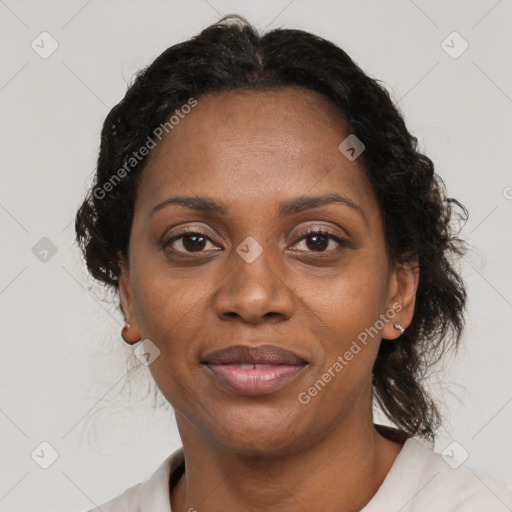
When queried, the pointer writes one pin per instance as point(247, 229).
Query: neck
point(341, 472)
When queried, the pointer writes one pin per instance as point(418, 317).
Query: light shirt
point(419, 481)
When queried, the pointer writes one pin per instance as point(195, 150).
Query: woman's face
point(250, 274)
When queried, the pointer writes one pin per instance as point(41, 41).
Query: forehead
point(256, 146)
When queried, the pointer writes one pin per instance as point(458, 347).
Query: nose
point(254, 292)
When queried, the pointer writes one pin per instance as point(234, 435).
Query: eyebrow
point(286, 208)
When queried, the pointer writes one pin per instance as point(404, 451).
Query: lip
point(253, 371)
point(261, 354)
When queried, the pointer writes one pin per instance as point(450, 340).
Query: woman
point(285, 255)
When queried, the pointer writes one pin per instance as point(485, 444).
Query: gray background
point(63, 361)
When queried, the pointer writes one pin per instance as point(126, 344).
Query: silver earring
point(398, 326)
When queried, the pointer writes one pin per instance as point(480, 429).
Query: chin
point(261, 430)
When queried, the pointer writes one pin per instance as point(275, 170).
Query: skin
point(251, 151)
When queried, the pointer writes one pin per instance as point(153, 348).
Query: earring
point(398, 326)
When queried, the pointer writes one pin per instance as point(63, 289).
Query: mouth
point(253, 371)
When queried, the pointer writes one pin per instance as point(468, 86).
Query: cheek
point(171, 312)
point(341, 371)
point(353, 299)
point(347, 308)
point(172, 317)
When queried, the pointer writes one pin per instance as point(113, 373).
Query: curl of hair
point(231, 55)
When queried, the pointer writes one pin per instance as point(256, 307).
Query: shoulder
point(128, 501)
point(149, 496)
point(422, 480)
point(464, 488)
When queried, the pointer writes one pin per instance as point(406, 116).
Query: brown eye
point(190, 242)
point(319, 241)
point(193, 242)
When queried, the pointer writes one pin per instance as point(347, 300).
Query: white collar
point(155, 495)
point(156, 498)
point(416, 466)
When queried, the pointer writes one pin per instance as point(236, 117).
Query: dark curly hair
point(418, 217)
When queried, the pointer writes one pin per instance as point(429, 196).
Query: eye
point(190, 242)
point(318, 240)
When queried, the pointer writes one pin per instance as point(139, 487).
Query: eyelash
point(303, 235)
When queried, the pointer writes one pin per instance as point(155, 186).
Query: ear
point(403, 285)
point(130, 333)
